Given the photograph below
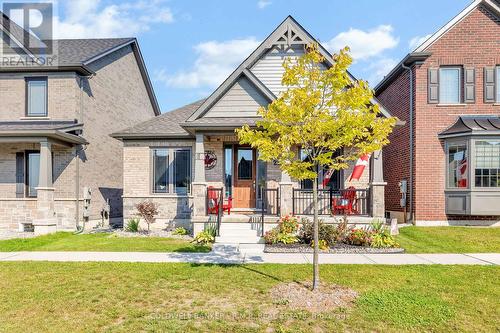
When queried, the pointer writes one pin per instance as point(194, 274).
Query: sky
point(191, 46)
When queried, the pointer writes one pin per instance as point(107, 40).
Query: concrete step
point(239, 226)
point(239, 233)
point(225, 248)
point(239, 240)
point(251, 248)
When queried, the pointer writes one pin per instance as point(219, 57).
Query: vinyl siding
point(241, 100)
point(269, 69)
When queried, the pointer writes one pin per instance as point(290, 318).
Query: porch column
point(45, 221)
point(377, 186)
point(286, 194)
point(199, 182)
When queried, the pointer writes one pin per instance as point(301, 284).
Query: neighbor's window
point(487, 166)
point(457, 165)
point(449, 85)
point(172, 170)
point(36, 97)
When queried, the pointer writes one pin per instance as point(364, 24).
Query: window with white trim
point(171, 170)
point(450, 81)
point(487, 163)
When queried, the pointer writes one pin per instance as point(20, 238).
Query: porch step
point(239, 240)
point(237, 233)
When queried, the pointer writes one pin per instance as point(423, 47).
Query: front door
point(244, 180)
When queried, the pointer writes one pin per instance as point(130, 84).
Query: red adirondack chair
point(214, 202)
point(346, 204)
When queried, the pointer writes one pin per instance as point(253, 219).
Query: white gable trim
point(453, 22)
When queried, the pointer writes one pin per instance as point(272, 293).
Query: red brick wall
point(473, 42)
point(396, 98)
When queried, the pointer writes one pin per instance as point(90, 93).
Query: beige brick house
point(185, 158)
point(55, 123)
point(448, 92)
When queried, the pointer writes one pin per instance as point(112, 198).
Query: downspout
point(410, 199)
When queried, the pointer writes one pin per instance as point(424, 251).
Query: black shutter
point(19, 175)
point(489, 84)
point(433, 84)
point(469, 85)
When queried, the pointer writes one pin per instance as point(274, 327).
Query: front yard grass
point(449, 239)
point(131, 297)
point(99, 242)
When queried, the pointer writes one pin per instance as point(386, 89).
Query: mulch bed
point(299, 296)
point(337, 248)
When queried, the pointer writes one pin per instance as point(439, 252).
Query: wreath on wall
point(210, 160)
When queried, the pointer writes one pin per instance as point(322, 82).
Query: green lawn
point(131, 297)
point(64, 241)
point(449, 239)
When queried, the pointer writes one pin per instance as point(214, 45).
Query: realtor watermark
point(27, 34)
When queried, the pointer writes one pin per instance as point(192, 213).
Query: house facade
point(448, 93)
point(178, 158)
point(58, 165)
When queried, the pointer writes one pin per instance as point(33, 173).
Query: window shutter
point(470, 85)
point(19, 175)
point(433, 83)
point(489, 84)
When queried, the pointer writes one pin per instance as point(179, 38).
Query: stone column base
point(286, 198)
point(378, 200)
point(199, 199)
point(45, 221)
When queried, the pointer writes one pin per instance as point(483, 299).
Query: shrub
point(132, 225)
point(285, 238)
point(322, 244)
point(180, 231)
point(342, 230)
point(359, 237)
point(327, 232)
point(148, 211)
point(271, 236)
point(211, 230)
point(381, 237)
point(288, 224)
point(204, 238)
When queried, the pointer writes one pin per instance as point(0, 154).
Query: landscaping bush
point(148, 211)
point(327, 232)
point(204, 237)
point(323, 245)
point(132, 225)
point(342, 230)
point(285, 232)
point(359, 237)
point(180, 231)
point(381, 237)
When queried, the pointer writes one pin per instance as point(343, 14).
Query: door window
point(245, 164)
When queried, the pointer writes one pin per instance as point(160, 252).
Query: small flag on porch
point(462, 173)
point(359, 168)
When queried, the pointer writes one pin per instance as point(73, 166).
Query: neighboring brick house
point(449, 149)
point(55, 123)
point(172, 159)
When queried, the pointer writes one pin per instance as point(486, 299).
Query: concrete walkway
point(257, 258)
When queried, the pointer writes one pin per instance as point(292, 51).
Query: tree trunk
point(316, 236)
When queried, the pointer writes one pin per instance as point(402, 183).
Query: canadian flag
point(328, 175)
point(462, 173)
point(360, 167)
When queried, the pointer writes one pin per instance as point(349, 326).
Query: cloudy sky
point(191, 46)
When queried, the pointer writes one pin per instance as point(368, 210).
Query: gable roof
point(421, 52)
point(167, 125)
point(76, 55)
point(288, 33)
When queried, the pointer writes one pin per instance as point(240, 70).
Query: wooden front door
point(244, 180)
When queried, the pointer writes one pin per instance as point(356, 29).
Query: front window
point(449, 85)
point(457, 165)
point(487, 163)
point(172, 170)
point(228, 170)
point(32, 173)
point(36, 97)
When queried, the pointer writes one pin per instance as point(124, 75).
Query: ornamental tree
point(327, 114)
